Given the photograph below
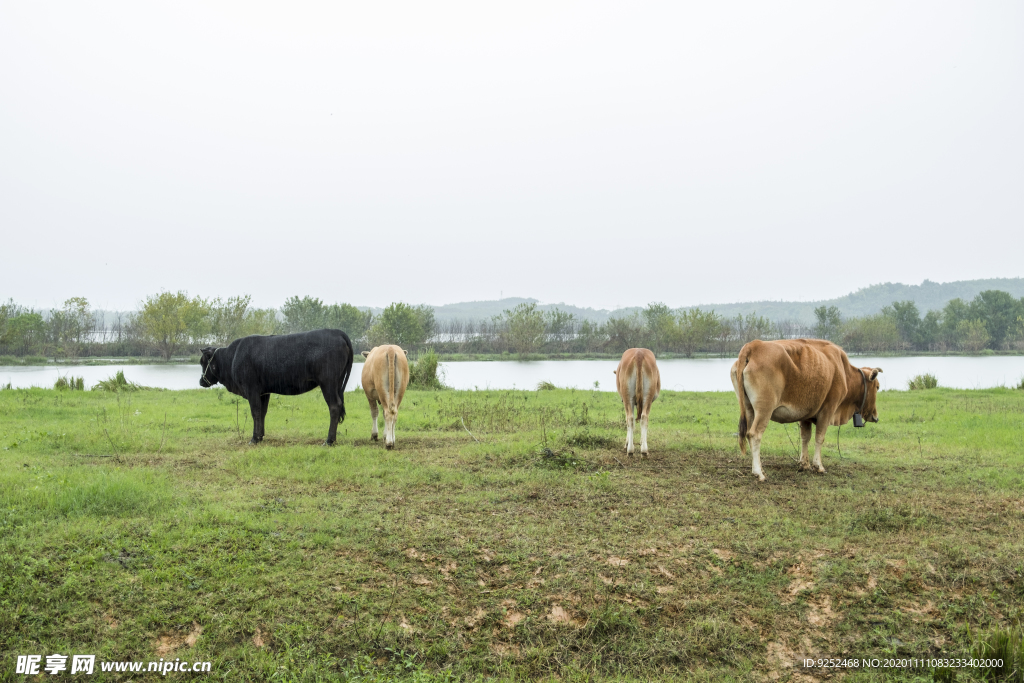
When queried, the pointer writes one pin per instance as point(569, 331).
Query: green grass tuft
point(118, 383)
point(925, 381)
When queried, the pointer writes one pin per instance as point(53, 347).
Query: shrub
point(9, 360)
point(545, 386)
point(64, 383)
point(925, 381)
point(117, 383)
point(423, 373)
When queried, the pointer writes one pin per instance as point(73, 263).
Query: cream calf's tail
point(391, 400)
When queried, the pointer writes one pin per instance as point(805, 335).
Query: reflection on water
point(701, 374)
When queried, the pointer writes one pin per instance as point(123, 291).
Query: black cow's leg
point(256, 408)
point(334, 403)
point(264, 407)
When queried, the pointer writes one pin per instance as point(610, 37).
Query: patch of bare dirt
point(820, 614)
point(170, 642)
point(921, 611)
point(474, 619)
point(512, 618)
point(421, 580)
point(724, 555)
point(617, 561)
point(802, 579)
point(559, 615)
point(112, 623)
point(505, 650)
point(260, 638)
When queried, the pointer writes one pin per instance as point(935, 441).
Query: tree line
point(173, 324)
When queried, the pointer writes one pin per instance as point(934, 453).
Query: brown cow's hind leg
point(756, 432)
point(805, 439)
point(820, 427)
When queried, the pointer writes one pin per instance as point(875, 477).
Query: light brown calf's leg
point(390, 418)
point(373, 419)
point(643, 430)
point(629, 427)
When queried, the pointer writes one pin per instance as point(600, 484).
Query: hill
point(928, 296)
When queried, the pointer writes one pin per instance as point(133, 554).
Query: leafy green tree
point(829, 322)
point(907, 319)
point(753, 326)
point(303, 315)
point(523, 328)
point(871, 334)
point(309, 313)
point(353, 321)
point(235, 318)
point(400, 324)
point(698, 330)
point(22, 330)
point(168, 321)
point(930, 331)
point(625, 333)
point(70, 326)
point(661, 326)
point(560, 326)
point(972, 336)
point(999, 311)
point(954, 312)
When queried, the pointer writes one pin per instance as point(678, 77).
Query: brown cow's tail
point(741, 394)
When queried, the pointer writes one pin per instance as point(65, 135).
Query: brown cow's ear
point(365, 354)
point(874, 373)
point(405, 352)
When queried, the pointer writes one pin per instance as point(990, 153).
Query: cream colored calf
point(639, 384)
point(385, 377)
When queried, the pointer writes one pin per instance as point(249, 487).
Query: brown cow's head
point(209, 363)
point(870, 413)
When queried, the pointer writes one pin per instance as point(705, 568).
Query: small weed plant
point(925, 381)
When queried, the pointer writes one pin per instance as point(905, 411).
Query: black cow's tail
point(346, 374)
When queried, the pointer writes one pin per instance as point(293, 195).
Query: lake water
point(705, 374)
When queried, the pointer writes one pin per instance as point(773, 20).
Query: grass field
point(140, 525)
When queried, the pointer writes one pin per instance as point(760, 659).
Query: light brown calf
point(810, 381)
point(639, 384)
point(385, 377)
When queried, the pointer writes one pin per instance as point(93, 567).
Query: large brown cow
point(639, 384)
point(385, 377)
point(800, 380)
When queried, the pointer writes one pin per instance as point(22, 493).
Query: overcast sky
point(601, 154)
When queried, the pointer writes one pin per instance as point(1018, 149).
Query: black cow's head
point(208, 360)
point(870, 412)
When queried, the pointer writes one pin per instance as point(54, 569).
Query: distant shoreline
point(487, 357)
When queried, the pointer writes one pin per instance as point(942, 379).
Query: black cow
point(257, 366)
